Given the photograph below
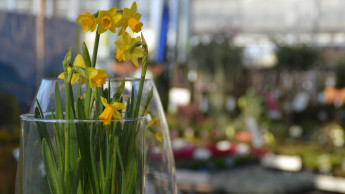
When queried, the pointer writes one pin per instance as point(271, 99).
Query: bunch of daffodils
point(92, 158)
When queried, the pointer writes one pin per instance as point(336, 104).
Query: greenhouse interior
point(250, 93)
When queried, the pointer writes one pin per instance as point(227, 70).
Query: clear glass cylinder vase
point(81, 156)
point(159, 161)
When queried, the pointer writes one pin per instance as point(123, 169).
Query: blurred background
point(253, 89)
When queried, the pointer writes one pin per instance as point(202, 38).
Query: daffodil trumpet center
point(134, 24)
point(107, 114)
point(106, 22)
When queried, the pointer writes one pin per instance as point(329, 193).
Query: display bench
point(275, 174)
point(253, 179)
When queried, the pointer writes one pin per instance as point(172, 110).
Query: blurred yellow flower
point(97, 77)
point(128, 51)
point(159, 135)
point(131, 18)
point(78, 61)
point(88, 21)
point(111, 111)
point(108, 20)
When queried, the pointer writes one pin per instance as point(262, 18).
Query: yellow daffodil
point(88, 21)
point(78, 61)
point(111, 111)
point(97, 77)
point(108, 20)
point(159, 135)
point(131, 18)
point(126, 49)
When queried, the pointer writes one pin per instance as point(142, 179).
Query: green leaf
point(86, 55)
point(119, 90)
point(80, 109)
point(39, 109)
point(147, 102)
point(58, 103)
point(41, 127)
point(133, 176)
point(51, 169)
point(108, 91)
point(80, 188)
point(123, 187)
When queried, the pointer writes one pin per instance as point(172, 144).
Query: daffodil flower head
point(97, 77)
point(126, 49)
point(111, 111)
point(78, 61)
point(131, 18)
point(88, 21)
point(108, 20)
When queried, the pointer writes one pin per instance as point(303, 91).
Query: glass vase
point(81, 156)
point(159, 160)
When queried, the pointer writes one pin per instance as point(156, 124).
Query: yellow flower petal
point(118, 106)
point(119, 54)
point(134, 60)
point(61, 75)
point(117, 115)
point(104, 102)
point(159, 135)
point(75, 78)
point(79, 61)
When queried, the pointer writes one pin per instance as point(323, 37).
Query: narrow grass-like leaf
point(41, 127)
point(93, 159)
point(58, 103)
point(147, 102)
point(119, 90)
point(123, 187)
point(86, 55)
point(51, 169)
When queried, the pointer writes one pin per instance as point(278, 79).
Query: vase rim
point(31, 117)
point(111, 79)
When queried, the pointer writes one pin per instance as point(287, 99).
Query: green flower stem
point(142, 79)
point(87, 61)
point(87, 105)
point(68, 88)
point(95, 50)
point(67, 80)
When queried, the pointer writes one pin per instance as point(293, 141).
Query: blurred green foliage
point(217, 54)
point(300, 57)
point(311, 154)
point(9, 111)
point(9, 140)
